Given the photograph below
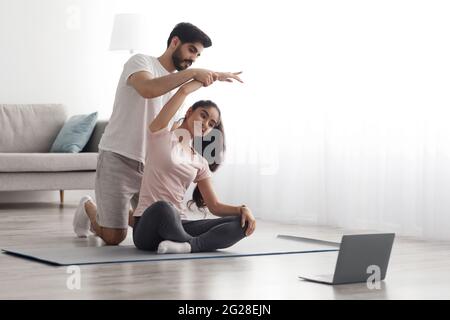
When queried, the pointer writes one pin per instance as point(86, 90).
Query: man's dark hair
point(188, 33)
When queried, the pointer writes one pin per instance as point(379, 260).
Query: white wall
point(46, 57)
point(342, 119)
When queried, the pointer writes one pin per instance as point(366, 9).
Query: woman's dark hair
point(188, 33)
point(203, 142)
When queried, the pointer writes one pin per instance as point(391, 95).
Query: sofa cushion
point(75, 133)
point(47, 162)
point(30, 127)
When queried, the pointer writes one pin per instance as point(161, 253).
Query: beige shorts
point(117, 183)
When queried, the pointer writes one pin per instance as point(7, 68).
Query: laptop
point(360, 257)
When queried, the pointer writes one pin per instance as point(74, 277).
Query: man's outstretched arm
point(149, 87)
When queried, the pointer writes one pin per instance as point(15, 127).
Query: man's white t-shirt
point(126, 132)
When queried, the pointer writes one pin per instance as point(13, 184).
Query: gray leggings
point(161, 221)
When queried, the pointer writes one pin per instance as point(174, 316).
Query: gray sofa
point(27, 133)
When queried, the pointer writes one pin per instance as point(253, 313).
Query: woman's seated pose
point(160, 223)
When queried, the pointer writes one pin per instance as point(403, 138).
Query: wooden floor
point(418, 269)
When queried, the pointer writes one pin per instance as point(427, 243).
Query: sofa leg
point(61, 197)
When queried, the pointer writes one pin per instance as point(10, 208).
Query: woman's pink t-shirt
point(169, 170)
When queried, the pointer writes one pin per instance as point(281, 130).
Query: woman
point(171, 166)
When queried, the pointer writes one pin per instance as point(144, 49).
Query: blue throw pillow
point(75, 133)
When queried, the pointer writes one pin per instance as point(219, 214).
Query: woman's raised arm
point(171, 107)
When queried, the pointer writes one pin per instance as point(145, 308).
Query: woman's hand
point(247, 216)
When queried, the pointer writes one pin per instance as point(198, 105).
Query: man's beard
point(178, 60)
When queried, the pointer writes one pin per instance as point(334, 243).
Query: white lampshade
point(128, 32)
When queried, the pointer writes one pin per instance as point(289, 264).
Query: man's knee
point(113, 237)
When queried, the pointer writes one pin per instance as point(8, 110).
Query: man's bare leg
point(131, 218)
point(91, 210)
point(110, 235)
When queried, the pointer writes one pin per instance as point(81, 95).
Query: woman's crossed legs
point(161, 221)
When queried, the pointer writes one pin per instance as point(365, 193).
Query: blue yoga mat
point(64, 256)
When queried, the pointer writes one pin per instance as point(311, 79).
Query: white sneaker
point(81, 222)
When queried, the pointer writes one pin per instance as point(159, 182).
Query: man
point(143, 89)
